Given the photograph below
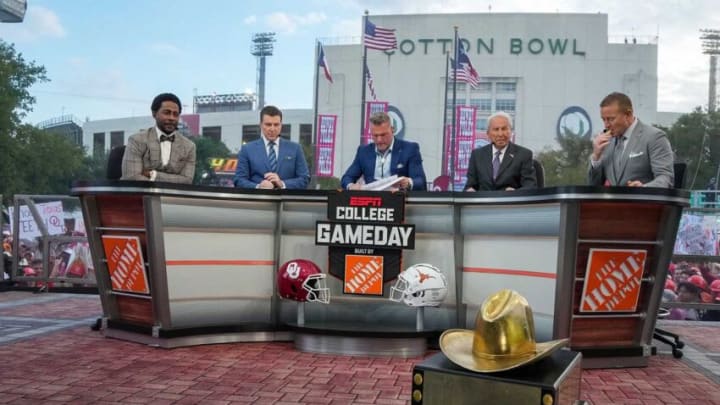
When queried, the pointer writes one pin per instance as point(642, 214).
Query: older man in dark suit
point(160, 153)
point(629, 152)
point(501, 165)
point(386, 156)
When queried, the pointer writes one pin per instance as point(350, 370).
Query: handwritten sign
point(51, 214)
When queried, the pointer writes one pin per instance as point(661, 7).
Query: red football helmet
point(302, 280)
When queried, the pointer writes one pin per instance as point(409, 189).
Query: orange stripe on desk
point(219, 262)
point(509, 272)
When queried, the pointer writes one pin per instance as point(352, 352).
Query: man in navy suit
point(385, 157)
point(268, 162)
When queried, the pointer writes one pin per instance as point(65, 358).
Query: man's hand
point(353, 186)
point(274, 179)
point(509, 189)
point(403, 183)
point(146, 173)
point(470, 189)
point(634, 183)
point(265, 184)
point(599, 144)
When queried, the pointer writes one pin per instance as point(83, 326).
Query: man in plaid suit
point(160, 153)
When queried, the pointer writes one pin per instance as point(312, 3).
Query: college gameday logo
point(365, 237)
point(612, 280)
point(125, 263)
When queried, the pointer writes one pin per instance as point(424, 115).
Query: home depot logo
point(363, 275)
point(612, 280)
point(125, 263)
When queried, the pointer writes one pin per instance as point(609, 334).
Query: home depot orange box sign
point(363, 275)
point(125, 263)
point(612, 280)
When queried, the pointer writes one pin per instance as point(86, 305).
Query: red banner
point(372, 107)
point(464, 143)
point(325, 145)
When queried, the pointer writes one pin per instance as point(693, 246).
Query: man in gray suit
point(160, 153)
point(629, 152)
point(501, 165)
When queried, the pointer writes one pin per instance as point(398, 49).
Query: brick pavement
point(72, 364)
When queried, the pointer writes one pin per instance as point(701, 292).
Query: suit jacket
point(647, 157)
point(516, 169)
point(252, 165)
point(143, 152)
point(406, 161)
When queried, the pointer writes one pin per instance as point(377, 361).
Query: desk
point(212, 254)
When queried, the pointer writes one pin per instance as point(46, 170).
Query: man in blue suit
point(385, 157)
point(268, 162)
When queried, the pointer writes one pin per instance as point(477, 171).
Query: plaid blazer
point(143, 152)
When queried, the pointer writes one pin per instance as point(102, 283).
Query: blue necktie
point(496, 164)
point(272, 158)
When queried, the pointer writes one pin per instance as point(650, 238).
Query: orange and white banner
point(125, 263)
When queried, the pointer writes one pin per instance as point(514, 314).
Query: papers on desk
point(382, 184)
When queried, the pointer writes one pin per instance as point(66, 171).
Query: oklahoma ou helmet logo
point(293, 270)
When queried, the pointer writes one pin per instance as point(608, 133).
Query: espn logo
point(365, 201)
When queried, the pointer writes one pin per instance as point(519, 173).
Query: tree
point(205, 149)
point(16, 77)
point(569, 164)
point(695, 139)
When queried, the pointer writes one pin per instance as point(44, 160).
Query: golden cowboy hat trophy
point(503, 339)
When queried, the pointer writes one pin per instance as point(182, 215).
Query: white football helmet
point(420, 285)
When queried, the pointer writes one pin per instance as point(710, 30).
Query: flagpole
point(454, 115)
point(364, 73)
point(445, 106)
point(315, 109)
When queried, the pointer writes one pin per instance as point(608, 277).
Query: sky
point(109, 58)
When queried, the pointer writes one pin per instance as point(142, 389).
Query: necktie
point(168, 138)
point(496, 164)
point(618, 152)
point(272, 158)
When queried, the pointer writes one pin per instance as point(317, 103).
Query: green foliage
point(16, 77)
point(569, 164)
point(695, 139)
point(205, 149)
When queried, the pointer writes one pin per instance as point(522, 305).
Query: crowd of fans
point(692, 282)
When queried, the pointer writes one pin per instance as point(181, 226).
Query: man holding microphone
point(629, 152)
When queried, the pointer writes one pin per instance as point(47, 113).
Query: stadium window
point(505, 105)
point(481, 124)
point(305, 134)
point(505, 87)
point(482, 104)
point(250, 133)
point(98, 143)
point(214, 133)
point(285, 132)
point(484, 87)
point(117, 138)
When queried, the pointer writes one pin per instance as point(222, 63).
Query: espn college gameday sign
point(365, 235)
point(125, 263)
point(612, 280)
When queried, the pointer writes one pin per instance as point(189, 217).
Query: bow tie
point(169, 138)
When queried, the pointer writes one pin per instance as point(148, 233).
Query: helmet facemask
point(317, 290)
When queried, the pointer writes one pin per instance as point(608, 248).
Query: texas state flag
point(322, 62)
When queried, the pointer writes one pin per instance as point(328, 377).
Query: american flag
point(322, 62)
point(381, 39)
point(370, 84)
point(466, 68)
point(463, 74)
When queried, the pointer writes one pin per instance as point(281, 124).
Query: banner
point(125, 263)
point(372, 107)
point(325, 145)
point(51, 214)
point(613, 278)
point(365, 235)
point(464, 143)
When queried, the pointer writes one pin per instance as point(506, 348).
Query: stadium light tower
point(711, 46)
point(12, 11)
point(262, 46)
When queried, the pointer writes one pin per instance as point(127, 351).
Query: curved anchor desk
point(211, 256)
